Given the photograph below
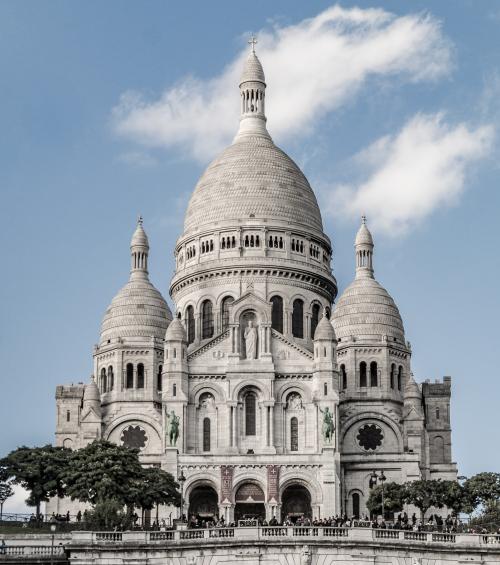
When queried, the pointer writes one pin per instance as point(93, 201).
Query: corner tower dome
point(252, 178)
point(366, 310)
point(138, 310)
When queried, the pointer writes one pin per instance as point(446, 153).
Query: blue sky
point(100, 112)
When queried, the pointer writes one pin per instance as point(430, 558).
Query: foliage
point(103, 471)
point(483, 488)
point(5, 493)
point(108, 515)
point(424, 494)
point(454, 496)
point(154, 487)
point(394, 494)
point(38, 470)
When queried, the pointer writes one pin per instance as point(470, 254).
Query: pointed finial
point(363, 219)
point(253, 42)
point(139, 221)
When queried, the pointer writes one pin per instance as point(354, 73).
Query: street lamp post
point(182, 479)
point(374, 478)
point(53, 531)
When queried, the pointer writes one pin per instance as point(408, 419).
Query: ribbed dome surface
point(91, 392)
point(138, 310)
point(175, 331)
point(252, 71)
point(366, 309)
point(253, 178)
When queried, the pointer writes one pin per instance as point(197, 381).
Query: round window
point(134, 437)
point(370, 437)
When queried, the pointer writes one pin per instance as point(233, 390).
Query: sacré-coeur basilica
point(268, 402)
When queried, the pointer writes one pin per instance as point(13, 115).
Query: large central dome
point(253, 178)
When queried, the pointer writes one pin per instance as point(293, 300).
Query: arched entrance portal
point(296, 503)
point(249, 501)
point(203, 503)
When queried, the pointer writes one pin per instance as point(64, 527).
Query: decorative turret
point(253, 97)
point(325, 344)
point(92, 397)
point(175, 365)
point(139, 251)
point(364, 251)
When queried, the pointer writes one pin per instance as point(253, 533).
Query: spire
point(252, 96)
point(139, 251)
point(364, 251)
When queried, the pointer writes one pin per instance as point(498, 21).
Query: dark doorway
point(296, 503)
point(355, 505)
point(249, 502)
point(203, 502)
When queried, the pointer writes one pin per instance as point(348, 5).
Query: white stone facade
point(239, 389)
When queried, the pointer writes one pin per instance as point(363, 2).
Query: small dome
point(138, 310)
point(366, 310)
point(139, 237)
point(91, 392)
point(412, 390)
point(324, 330)
point(252, 71)
point(175, 331)
point(364, 237)
point(253, 178)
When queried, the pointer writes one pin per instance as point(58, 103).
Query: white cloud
point(312, 68)
point(16, 504)
point(412, 173)
point(137, 159)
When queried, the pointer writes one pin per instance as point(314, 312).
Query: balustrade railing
point(338, 534)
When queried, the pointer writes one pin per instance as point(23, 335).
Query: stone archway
point(249, 502)
point(203, 503)
point(296, 503)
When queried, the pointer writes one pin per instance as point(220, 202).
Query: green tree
point(155, 487)
point(484, 488)
point(103, 471)
point(394, 494)
point(38, 470)
point(424, 494)
point(5, 493)
point(454, 497)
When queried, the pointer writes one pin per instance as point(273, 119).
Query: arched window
point(103, 380)
point(314, 319)
point(355, 505)
point(343, 375)
point(325, 389)
point(250, 415)
point(190, 323)
point(111, 378)
point(437, 414)
point(174, 390)
point(294, 434)
point(400, 377)
point(277, 313)
point(373, 374)
point(206, 434)
point(129, 380)
point(225, 311)
point(68, 416)
point(298, 318)
point(362, 374)
point(393, 374)
point(159, 383)
point(207, 316)
point(140, 375)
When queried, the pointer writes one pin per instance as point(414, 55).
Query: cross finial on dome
point(139, 220)
point(363, 219)
point(253, 42)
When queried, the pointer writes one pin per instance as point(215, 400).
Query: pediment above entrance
point(213, 353)
point(287, 354)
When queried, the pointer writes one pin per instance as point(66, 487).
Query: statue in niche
point(173, 432)
point(250, 336)
point(294, 401)
point(207, 401)
point(328, 426)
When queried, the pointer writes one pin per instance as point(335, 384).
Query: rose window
point(134, 437)
point(370, 437)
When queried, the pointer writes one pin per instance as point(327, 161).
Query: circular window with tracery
point(370, 437)
point(134, 437)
